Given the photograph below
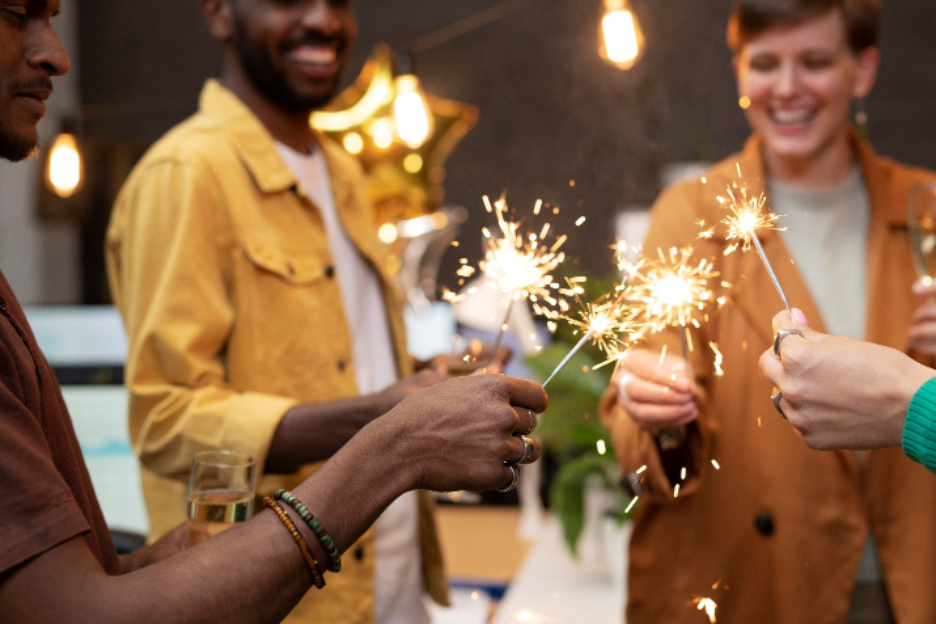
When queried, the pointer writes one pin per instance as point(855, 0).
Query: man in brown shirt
point(458, 435)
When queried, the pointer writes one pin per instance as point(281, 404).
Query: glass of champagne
point(221, 492)
point(922, 227)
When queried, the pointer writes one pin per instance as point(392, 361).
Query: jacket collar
point(256, 147)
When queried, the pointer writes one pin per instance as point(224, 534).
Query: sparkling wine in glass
point(222, 485)
point(922, 227)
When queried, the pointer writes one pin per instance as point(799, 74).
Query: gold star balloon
point(401, 135)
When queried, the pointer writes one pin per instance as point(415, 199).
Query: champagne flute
point(921, 225)
point(221, 492)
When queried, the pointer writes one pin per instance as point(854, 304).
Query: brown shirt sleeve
point(37, 508)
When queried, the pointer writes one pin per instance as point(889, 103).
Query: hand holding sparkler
point(657, 393)
point(672, 291)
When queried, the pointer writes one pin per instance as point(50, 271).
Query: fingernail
point(799, 317)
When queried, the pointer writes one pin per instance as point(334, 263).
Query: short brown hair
point(750, 18)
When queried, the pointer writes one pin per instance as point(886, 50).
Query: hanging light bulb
point(64, 168)
point(411, 111)
point(621, 38)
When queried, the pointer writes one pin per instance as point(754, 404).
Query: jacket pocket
point(299, 268)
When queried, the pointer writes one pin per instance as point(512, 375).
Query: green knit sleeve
point(919, 435)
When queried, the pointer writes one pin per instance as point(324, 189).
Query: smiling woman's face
point(801, 81)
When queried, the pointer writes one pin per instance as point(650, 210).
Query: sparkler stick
point(606, 324)
point(571, 354)
point(750, 214)
point(770, 271)
point(503, 328)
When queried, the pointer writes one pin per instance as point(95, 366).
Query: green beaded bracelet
point(314, 524)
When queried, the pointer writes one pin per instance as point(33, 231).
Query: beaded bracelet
point(314, 524)
point(317, 579)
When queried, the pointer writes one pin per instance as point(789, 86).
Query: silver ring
point(527, 450)
point(775, 399)
point(533, 423)
point(783, 333)
point(514, 481)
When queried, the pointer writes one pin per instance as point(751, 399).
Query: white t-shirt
point(398, 562)
point(827, 235)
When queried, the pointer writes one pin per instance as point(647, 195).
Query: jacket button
point(764, 523)
point(329, 271)
point(342, 365)
point(359, 553)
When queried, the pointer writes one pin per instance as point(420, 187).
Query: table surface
point(552, 587)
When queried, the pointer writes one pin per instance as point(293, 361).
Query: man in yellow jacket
point(243, 256)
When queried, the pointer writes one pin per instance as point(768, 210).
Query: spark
point(708, 605)
point(682, 474)
point(608, 323)
point(579, 221)
point(676, 491)
point(718, 360)
point(672, 290)
point(748, 215)
point(717, 466)
point(641, 469)
point(631, 505)
point(520, 263)
point(602, 447)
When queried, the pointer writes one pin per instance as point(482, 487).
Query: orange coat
point(781, 526)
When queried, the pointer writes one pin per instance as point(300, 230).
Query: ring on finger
point(775, 399)
point(622, 385)
point(783, 333)
point(533, 422)
point(514, 481)
point(528, 449)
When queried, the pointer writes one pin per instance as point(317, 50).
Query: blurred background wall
point(551, 110)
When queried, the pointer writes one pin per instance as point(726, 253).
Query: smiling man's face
point(30, 55)
point(293, 51)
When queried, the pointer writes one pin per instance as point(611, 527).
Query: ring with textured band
point(533, 422)
point(775, 399)
point(527, 450)
point(514, 481)
point(783, 333)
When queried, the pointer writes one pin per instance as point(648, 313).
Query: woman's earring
point(861, 118)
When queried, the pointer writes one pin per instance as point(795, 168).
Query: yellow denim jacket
point(220, 266)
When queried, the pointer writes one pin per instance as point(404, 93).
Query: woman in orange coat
point(737, 508)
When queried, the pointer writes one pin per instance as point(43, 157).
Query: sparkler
point(749, 214)
point(520, 264)
point(609, 324)
point(673, 291)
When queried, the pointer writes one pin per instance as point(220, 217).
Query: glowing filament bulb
point(621, 35)
point(413, 121)
point(64, 169)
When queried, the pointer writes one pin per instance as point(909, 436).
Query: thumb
point(795, 319)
